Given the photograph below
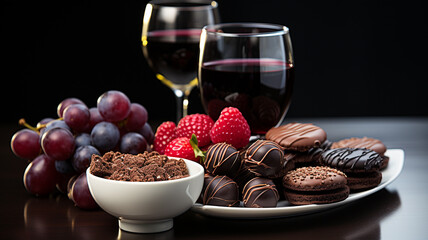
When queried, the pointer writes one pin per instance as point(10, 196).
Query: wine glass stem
point(182, 98)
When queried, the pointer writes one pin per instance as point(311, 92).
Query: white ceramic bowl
point(147, 207)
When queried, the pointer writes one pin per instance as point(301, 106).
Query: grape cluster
point(60, 150)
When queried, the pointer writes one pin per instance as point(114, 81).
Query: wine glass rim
point(205, 4)
point(274, 29)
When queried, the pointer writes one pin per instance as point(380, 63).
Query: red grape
point(58, 144)
point(105, 136)
point(26, 144)
point(82, 157)
point(65, 103)
point(133, 143)
point(77, 117)
point(80, 193)
point(114, 106)
point(137, 117)
point(147, 133)
point(95, 117)
point(40, 176)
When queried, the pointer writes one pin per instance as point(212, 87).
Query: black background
point(352, 58)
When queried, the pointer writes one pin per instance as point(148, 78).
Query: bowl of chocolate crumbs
point(144, 191)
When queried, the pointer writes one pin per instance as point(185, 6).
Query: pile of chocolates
point(265, 172)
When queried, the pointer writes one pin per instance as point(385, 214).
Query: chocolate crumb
point(143, 167)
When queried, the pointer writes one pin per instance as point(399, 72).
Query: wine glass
point(170, 38)
point(248, 66)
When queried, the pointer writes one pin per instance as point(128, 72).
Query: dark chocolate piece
point(264, 158)
point(260, 193)
point(222, 159)
point(221, 191)
point(352, 159)
point(297, 136)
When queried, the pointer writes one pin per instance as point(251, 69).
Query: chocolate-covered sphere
point(221, 191)
point(222, 159)
point(260, 193)
point(264, 158)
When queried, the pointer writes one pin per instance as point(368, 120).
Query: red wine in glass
point(174, 55)
point(260, 88)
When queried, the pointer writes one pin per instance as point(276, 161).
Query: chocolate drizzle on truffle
point(260, 193)
point(221, 191)
point(352, 159)
point(264, 158)
point(222, 159)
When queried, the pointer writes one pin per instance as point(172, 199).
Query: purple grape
point(133, 143)
point(137, 118)
point(95, 117)
point(82, 139)
point(58, 144)
point(64, 167)
point(147, 133)
point(80, 194)
point(65, 103)
point(77, 117)
point(40, 176)
point(82, 158)
point(26, 144)
point(114, 106)
point(105, 136)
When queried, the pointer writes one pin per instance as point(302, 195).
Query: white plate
point(284, 209)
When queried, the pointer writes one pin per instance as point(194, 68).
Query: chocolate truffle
point(309, 185)
point(222, 159)
point(221, 191)
point(264, 158)
point(260, 193)
point(297, 136)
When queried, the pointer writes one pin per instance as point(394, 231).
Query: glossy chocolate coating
point(221, 191)
point(264, 158)
point(260, 193)
point(223, 159)
point(352, 159)
point(297, 136)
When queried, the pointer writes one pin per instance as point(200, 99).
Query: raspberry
point(164, 134)
point(232, 128)
point(181, 148)
point(198, 124)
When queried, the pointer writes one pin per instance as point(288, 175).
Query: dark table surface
point(400, 211)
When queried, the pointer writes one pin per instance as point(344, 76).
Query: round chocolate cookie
point(260, 193)
point(310, 185)
point(297, 136)
point(361, 165)
point(221, 191)
point(264, 158)
point(222, 159)
point(365, 142)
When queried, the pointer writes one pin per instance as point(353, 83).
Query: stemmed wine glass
point(249, 66)
point(170, 38)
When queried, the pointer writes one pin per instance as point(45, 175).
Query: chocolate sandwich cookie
point(221, 191)
point(315, 185)
point(260, 193)
point(264, 158)
point(364, 142)
point(297, 136)
point(222, 159)
point(361, 165)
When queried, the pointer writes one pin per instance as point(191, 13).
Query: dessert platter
point(284, 209)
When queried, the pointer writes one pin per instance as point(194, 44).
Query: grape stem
point(24, 123)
